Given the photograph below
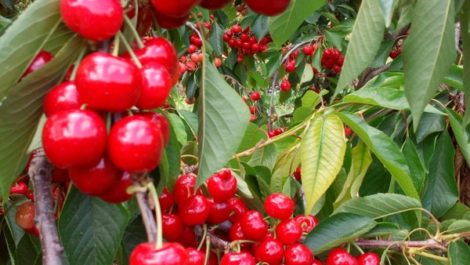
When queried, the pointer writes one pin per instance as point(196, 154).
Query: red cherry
point(280, 206)
point(222, 185)
point(195, 211)
point(219, 213)
point(19, 188)
point(217, 62)
point(242, 258)
point(195, 257)
point(161, 121)
point(255, 96)
point(270, 251)
point(309, 50)
point(167, 22)
point(60, 175)
point(298, 254)
point(238, 208)
point(252, 109)
point(369, 258)
point(285, 85)
point(298, 173)
point(214, 4)
point(317, 262)
point(166, 200)
point(347, 132)
point(172, 227)
point(339, 256)
point(253, 225)
point(39, 61)
point(169, 254)
point(108, 83)
point(61, 97)
point(307, 223)
point(118, 193)
point(156, 86)
point(25, 216)
point(95, 180)
point(74, 138)
point(290, 66)
point(236, 29)
point(236, 232)
point(184, 188)
point(268, 7)
point(135, 144)
point(180, 8)
point(158, 50)
point(288, 231)
point(188, 238)
point(94, 20)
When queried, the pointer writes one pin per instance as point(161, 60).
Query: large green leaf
point(284, 167)
point(428, 52)
point(461, 135)
point(223, 119)
point(90, 229)
point(415, 164)
point(459, 253)
point(441, 192)
point(338, 229)
point(322, 153)
point(465, 23)
point(380, 205)
point(388, 7)
point(24, 38)
point(21, 111)
point(282, 27)
point(385, 149)
point(367, 35)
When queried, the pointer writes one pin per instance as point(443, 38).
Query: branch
point(40, 173)
point(147, 216)
point(430, 243)
point(214, 239)
point(371, 73)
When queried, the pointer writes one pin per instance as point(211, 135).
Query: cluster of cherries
point(332, 59)
point(290, 65)
point(245, 42)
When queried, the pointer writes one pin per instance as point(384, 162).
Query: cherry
point(135, 144)
point(214, 4)
point(74, 138)
point(317, 262)
point(347, 132)
point(309, 50)
point(39, 61)
point(222, 185)
point(288, 231)
point(94, 20)
point(156, 86)
point(118, 193)
point(298, 254)
point(217, 62)
point(158, 50)
point(175, 9)
point(252, 109)
point(25, 216)
point(184, 188)
point(236, 232)
point(188, 238)
point(195, 211)
point(166, 200)
point(285, 85)
point(192, 48)
point(238, 208)
point(339, 256)
point(219, 213)
point(19, 188)
point(242, 258)
point(161, 121)
point(280, 206)
point(307, 223)
point(298, 173)
point(369, 258)
point(167, 22)
point(290, 66)
point(270, 251)
point(268, 7)
point(169, 254)
point(235, 29)
point(62, 97)
point(95, 180)
point(253, 225)
point(172, 227)
point(255, 96)
point(195, 257)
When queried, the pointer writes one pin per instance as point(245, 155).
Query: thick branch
point(147, 217)
point(430, 243)
point(216, 241)
point(40, 173)
point(371, 73)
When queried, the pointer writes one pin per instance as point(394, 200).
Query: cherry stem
point(208, 249)
point(147, 216)
point(134, 31)
point(158, 214)
point(116, 45)
point(129, 49)
point(204, 236)
point(76, 64)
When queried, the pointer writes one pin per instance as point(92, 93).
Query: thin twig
point(215, 241)
point(430, 243)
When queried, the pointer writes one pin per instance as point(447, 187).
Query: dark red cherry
point(180, 8)
point(184, 188)
point(158, 50)
point(219, 213)
point(307, 223)
point(242, 258)
point(118, 193)
point(279, 206)
point(188, 238)
point(156, 86)
point(369, 258)
point(222, 185)
point(270, 251)
point(195, 257)
point(298, 254)
point(169, 254)
point(238, 208)
point(253, 225)
point(96, 180)
point(39, 61)
point(135, 144)
point(74, 138)
point(161, 122)
point(288, 231)
point(94, 20)
point(268, 7)
point(172, 227)
point(214, 4)
point(166, 200)
point(108, 83)
point(339, 256)
point(195, 211)
point(167, 22)
point(62, 97)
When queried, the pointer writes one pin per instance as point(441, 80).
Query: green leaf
point(21, 111)
point(459, 253)
point(441, 192)
point(417, 168)
point(380, 205)
point(338, 229)
point(459, 226)
point(282, 27)
point(430, 123)
point(28, 251)
point(215, 39)
point(265, 156)
point(388, 6)
point(461, 135)
point(465, 24)
point(322, 153)
point(455, 77)
point(385, 149)
point(91, 230)
point(223, 119)
point(428, 52)
point(367, 35)
point(284, 167)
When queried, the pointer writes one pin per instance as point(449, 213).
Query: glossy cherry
point(94, 20)
point(158, 50)
point(74, 138)
point(253, 225)
point(307, 223)
point(214, 4)
point(268, 7)
point(286, 85)
point(169, 254)
point(62, 97)
point(184, 188)
point(172, 227)
point(339, 256)
point(39, 61)
point(195, 257)
point(108, 83)
point(118, 193)
point(195, 211)
point(317, 262)
point(309, 50)
point(255, 96)
point(180, 8)
point(135, 144)
point(369, 258)
point(161, 121)
point(19, 188)
point(280, 206)
point(236, 232)
point(167, 22)
point(25, 216)
point(242, 258)
point(238, 208)
point(270, 251)
point(222, 185)
point(166, 200)
point(298, 254)
point(219, 213)
point(156, 86)
point(288, 231)
point(97, 179)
